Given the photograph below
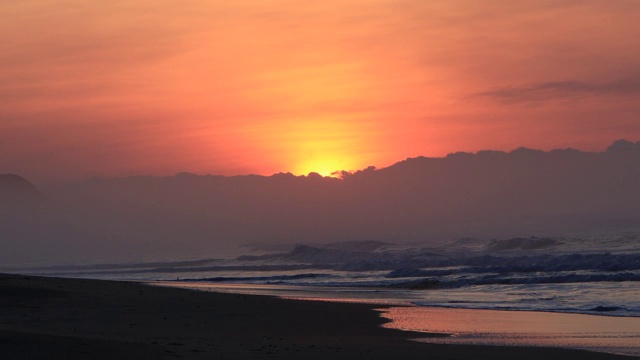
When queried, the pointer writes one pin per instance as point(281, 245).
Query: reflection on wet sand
point(619, 335)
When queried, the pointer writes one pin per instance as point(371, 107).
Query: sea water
point(595, 275)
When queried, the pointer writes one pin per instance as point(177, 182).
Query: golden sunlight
point(324, 145)
point(323, 166)
point(317, 120)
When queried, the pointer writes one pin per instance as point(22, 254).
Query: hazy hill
point(31, 231)
point(18, 197)
point(487, 194)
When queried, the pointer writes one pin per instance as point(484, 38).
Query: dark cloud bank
point(490, 194)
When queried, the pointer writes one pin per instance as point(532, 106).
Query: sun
point(322, 166)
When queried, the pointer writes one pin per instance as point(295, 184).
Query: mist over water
point(486, 195)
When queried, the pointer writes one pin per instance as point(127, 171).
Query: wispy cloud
point(554, 90)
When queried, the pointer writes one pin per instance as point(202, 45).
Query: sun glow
point(322, 166)
point(323, 158)
point(324, 144)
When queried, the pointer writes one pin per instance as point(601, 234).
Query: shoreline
point(465, 326)
point(58, 318)
point(276, 290)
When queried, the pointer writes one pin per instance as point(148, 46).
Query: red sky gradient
point(120, 88)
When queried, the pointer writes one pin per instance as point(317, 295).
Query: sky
point(116, 88)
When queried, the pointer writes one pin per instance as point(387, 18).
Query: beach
point(57, 318)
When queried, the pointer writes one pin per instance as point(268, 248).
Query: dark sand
point(52, 318)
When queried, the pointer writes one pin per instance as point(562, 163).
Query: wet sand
point(54, 318)
point(611, 334)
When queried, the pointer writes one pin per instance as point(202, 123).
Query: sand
point(54, 318)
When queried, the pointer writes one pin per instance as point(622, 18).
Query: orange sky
point(120, 88)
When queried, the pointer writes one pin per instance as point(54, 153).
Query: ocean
point(595, 275)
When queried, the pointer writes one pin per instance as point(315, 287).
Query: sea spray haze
point(594, 275)
point(484, 195)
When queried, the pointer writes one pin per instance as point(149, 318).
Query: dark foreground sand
point(52, 318)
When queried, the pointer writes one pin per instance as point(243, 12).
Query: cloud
point(554, 90)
